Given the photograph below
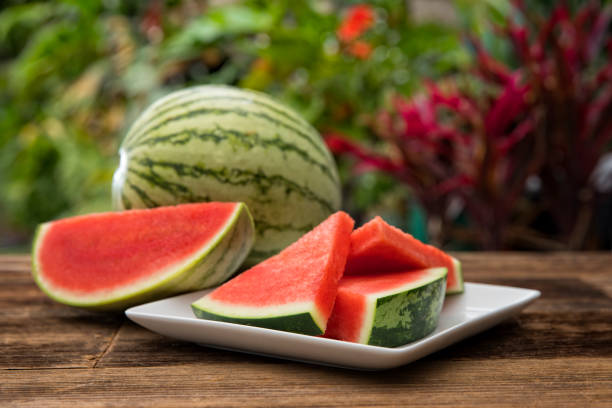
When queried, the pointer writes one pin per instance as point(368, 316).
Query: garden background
point(471, 124)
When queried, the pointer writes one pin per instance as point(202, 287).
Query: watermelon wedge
point(110, 261)
point(292, 291)
point(378, 247)
point(388, 309)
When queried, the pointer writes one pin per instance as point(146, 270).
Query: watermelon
point(388, 309)
point(292, 291)
point(110, 261)
point(378, 247)
point(219, 143)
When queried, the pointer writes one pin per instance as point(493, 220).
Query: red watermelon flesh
point(378, 247)
point(91, 258)
point(387, 309)
point(292, 291)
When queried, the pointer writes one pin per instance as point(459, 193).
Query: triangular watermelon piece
point(114, 260)
point(378, 247)
point(292, 291)
point(387, 309)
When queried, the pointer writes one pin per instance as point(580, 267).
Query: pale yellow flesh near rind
point(165, 283)
point(459, 287)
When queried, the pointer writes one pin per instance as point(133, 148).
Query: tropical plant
point(512, 148)
point(74, 75)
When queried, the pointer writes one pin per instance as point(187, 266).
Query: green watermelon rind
point(297, 317)
point(405, 314)
point(302, 323)
point(458, 287)
point(237, 237)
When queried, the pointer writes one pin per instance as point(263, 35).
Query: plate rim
point(390, 357)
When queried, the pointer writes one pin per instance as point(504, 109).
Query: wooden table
point(557, 353)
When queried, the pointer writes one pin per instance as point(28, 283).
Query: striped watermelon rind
point(407, 314)
point(219, 143)
point(300, 317)
point(214, 263)
point(405, 308)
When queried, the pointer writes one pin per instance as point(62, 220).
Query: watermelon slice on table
point(110, 261)
point(292, 291)
point(388, 309)
point(378, 247)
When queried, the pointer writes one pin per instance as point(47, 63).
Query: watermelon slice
point(388, 309)
point(110, 261)
point(292, 291)
point(378, 247)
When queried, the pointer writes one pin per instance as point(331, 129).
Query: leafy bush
point(512, 147)
point(76, 74)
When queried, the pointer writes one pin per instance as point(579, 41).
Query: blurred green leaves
point(74, 75)
point(222, 22)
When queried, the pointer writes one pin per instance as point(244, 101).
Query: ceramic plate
point(478, 308)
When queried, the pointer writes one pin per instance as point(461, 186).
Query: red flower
point(357, 20)
point(360, 49)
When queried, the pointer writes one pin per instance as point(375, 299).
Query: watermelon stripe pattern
point(224, 175)
point(219, 143)
point(263, 226)
point(169, 108)
point(140, 137)
point(422, 305)
point(246, 140)
point(223, 262)
point(388, 309)
point(208, 265)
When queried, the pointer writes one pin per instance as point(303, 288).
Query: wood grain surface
point(556, 353)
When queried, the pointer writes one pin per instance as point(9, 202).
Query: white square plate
point(478, 308)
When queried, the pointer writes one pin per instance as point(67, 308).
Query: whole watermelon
point(220, 143)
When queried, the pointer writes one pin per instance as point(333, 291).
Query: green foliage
point(74, 75)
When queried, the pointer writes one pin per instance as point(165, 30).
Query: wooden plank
point(535, 264)
point(10, 258)
point(532, 334)
point(36, 332)
point(136, 347)
point(571, 382)
point(15, 265)
point(559, 294)
point(558, 352)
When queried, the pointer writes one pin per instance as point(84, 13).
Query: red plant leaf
point(603, 76)
point(595, 37)
point(338, 144)
point(518, 34)
point(455, 101)
point(508, 106)
point(560, 13)
point(518, 134)
point(489, 67)
point(594, 114)
point(454, 183)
